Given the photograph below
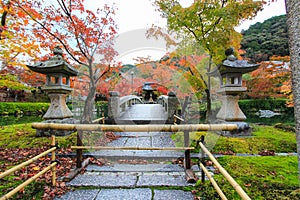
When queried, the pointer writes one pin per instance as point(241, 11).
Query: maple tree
point(16, 42)
point(211, 24)
point(269, 79)
point(85, 35)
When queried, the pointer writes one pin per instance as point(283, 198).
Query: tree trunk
point(293, 22)
point(87, 115)
point(208, 98)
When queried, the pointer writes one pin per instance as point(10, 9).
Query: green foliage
point(251, 109)
point(249, 105)
point(12, 82)
point(102, 107)
point(263, 40)
point(211, 25)
point(10, 108)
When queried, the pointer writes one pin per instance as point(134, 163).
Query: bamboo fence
point(234, 184)
point(31, 179)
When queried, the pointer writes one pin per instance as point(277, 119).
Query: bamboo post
point(79, 151)
point(234, 184)
point(187, 153)
point(53, 169)
point(202, 160)
point(103, 118)
point(213, 182)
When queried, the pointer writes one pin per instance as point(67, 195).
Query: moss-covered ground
point(262, 177)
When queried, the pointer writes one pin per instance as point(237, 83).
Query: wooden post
point(79, 151)
point(202, 160)
point(53, 169)
point(187, 154)
point(103, 118)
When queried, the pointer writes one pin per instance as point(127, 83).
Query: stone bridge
point(132, 110)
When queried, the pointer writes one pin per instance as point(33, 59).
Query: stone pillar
point(113, 106)
point(172, 106)
point(58, 108)
point(230, 110)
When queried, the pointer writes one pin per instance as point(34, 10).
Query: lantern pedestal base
point(49, 132)
point(243, 129)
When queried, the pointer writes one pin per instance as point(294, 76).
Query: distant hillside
point(266, 39)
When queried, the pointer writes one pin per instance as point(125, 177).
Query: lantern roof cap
point(55, 64)
point(233, 65)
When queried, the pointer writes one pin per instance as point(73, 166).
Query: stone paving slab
point(136, 168)
point(118, 143)
point(162, 180)
point(98, 180)
point(162, 141)
point(172, 195)
point(125, 194)
point(79, 194)
point(138, 142)
point(137, 154)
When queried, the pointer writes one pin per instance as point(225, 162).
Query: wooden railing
point(217, 165)
point(52, 167)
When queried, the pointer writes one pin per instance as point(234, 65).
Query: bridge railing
point(128, 101)
point(170, 103)
point(118, 105)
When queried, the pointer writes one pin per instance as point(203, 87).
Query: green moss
point(263, 138)
point(260, 177)
point(23, 136)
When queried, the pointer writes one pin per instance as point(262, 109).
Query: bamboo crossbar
point(135, 128)
point(27, 182)
point(177, 117)
point(213, 182)
point(132, 148)
point(98, 120)
point(234, 184)
point(26, 162)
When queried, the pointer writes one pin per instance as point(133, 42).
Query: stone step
point(136, 154)
point(129, 180)
point(139, 168)
point(127, 194)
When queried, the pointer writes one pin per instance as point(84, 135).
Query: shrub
point(11, 108)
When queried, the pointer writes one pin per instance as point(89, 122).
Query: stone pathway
point(159, 180)
point(129, 181)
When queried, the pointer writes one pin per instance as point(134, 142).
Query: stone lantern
point(58, 73)
point(230, 74)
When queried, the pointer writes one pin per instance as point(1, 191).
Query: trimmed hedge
point(254, 105)
point(12, 108)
